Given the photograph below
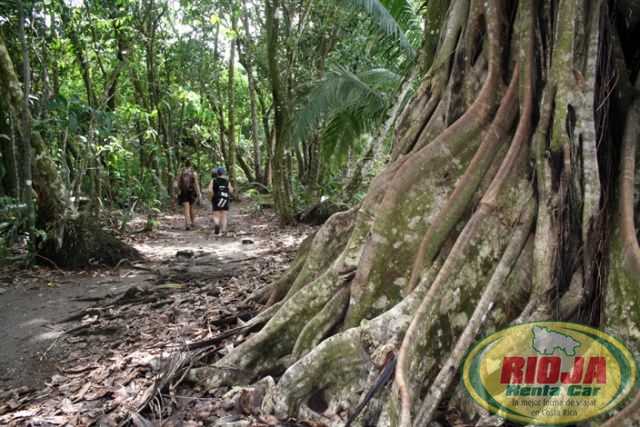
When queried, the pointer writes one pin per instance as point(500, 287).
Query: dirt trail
point(34, 304)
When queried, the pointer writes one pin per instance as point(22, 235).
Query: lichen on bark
point(497, 208)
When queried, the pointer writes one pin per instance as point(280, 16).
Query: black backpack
point(186, 180)
point(220, 192)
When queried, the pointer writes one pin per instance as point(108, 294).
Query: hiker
point(188, 193)
point(220, 188)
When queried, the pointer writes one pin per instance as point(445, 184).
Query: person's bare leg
point(187, 215)
point(223, 221)
point(192, 213)
point(216, 221)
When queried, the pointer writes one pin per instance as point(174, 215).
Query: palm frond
point(397, 18)
point(344, 131)
point(344, 106)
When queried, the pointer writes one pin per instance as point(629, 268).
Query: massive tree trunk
point(510, 198)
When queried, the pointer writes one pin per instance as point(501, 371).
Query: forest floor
point(109, 346)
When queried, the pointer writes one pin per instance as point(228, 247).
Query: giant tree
point(509, 198)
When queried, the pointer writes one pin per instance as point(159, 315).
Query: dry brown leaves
point(127, 353)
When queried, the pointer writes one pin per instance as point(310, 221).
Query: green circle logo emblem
point(549, 373)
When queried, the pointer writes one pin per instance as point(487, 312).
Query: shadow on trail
point(87, 347)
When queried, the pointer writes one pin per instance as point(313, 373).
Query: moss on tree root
point(85, 244)
point(554, 163)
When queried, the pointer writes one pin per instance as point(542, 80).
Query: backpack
point(220, 192)
point(186, 180)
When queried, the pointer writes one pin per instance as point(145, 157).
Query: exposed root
point(327, 245)
point(544, 248)
point(416, 123)
point(462, 195)
point(627, 416)
point(384, 376)
point(341, 359)
point(400, 185)
point(448, 270)
point(319, 327)
point(621, 293)
point(516, 243)
point(280, 288)
point(345, 365)
point(262, 352)
point(85, 244)
point(450, 369)
point(627, 177)
point(484, 156)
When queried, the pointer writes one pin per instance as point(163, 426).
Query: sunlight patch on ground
point(45, 336)
point(37, 321)
point(228, 247)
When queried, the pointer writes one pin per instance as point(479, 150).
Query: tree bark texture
point(510, 198)
point(246, 58)
point(281, 187)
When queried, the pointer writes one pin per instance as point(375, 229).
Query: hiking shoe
point(216, 229)
point(223, 234)
point(187, 227)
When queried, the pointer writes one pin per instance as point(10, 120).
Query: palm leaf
point(397, 19)
point(343, 106)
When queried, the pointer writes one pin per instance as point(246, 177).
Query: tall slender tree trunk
point(246, 58)
point(231, 91)
point(269, 142)
point(26, 129)
point(149, 26)
point(281, 188)
point(10, 181)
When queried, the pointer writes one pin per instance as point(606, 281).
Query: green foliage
point(152, 220)
point(13, 218)
point(13, 221)
point(397, 20)
point(158, 74)
point(345, 106)
point(252, 193)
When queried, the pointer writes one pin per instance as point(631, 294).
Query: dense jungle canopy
point(502, 135)
point(104, 100)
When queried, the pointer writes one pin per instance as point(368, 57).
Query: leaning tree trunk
point(72, 240)
point(509, 199)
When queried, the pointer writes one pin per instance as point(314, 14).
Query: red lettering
point(575, 375)
point(512, 370)
point(530, 375)
point(596, 370)
point(549, 370)
point(546, 370)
